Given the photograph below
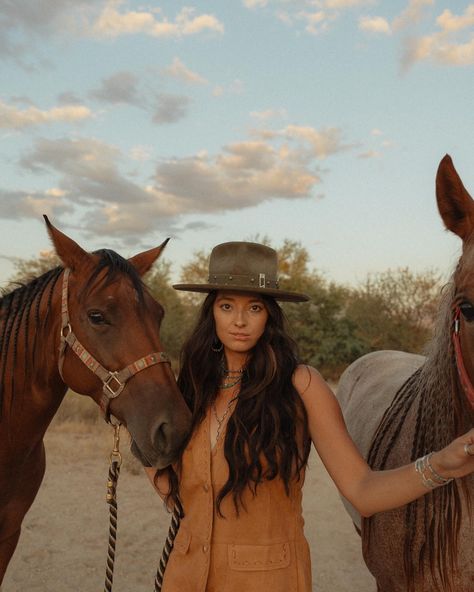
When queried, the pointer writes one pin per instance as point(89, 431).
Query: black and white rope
point(114, 471)
point(168, 547)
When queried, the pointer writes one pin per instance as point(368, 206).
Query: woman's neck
point(235, 361)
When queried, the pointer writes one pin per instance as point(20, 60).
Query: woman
point(255, 413)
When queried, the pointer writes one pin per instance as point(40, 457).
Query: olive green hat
point(244, 267)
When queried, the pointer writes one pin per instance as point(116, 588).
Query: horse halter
point(462, 372)
point(113, 381)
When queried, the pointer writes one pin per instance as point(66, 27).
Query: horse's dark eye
point(96, 317)
point(467, 310)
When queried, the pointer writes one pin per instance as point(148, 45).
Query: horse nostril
point(161, 437)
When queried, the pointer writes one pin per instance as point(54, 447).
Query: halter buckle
point(110, 382)
point(69, 331)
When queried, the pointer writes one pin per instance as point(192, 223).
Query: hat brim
point(277, 294)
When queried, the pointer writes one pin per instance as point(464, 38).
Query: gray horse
point(399, 406)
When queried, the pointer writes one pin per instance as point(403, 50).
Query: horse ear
point(454, 202)
point(143, 261)
point(70, 253)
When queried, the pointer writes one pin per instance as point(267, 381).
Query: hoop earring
point(217, 345)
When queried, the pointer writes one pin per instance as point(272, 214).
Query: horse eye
point(467, 310)
point(96, 317)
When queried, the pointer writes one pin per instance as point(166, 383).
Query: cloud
point(338, 4)
point(376, 24)
point(23, 21)
point(321, 143)
point(268, 114)
point(69, 98)
point(444, 46)
point(271, 164)
point(88, 170)
point(121, 87)
point(412, 14)
point(316, 15)
point(450, 22)
point(113, 23)
point(369, 154)
point(236, 87)
point(170, 108)
point(178, 70)
point(141, 153)
point(16, 205)
point(14, 118)
point(255, 3)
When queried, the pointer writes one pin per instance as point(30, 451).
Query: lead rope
point(114, 471)
point(176, 516)
point(111, 498)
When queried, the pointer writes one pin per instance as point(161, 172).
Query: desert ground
point(64, 537)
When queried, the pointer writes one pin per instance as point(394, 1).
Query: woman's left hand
point(457, 459)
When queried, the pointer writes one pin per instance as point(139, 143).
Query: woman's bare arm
point(368, 491)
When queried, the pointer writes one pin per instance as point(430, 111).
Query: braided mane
point(18, 309)
point(432, 523)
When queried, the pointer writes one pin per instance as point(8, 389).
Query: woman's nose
point(240, 320)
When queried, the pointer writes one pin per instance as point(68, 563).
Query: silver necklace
point(221, 420)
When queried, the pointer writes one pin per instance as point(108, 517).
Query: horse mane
point(20, 307)
point(433, 522)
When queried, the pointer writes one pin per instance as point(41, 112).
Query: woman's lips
point(240, 336)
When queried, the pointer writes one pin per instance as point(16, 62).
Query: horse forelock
point(441, 413)
point(114, 266)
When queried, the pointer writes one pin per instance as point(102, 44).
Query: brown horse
point(400, 406)
point(97, 301)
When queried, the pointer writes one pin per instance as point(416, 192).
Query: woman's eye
point(467, 310)
point(96, 317)
point(225, 306)
point(256, 308)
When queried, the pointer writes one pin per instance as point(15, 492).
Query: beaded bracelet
point(434, 479)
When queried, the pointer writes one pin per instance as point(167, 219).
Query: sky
point(318, 121)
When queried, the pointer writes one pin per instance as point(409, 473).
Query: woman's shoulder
point(306, 378)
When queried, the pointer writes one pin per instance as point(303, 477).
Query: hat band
point(248, 281)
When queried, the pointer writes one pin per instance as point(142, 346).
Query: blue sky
point(321, 121)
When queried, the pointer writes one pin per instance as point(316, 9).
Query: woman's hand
point(457, 459)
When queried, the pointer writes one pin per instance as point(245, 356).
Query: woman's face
point(240, 320)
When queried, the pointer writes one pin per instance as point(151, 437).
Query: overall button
point(205, 548)
point(205, 487)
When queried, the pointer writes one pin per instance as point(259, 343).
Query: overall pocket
point(258, 568)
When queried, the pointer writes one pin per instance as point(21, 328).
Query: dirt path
point(64, 537)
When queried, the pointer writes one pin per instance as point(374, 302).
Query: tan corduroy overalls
point(263, 549)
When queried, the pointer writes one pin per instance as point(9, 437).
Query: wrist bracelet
point(434, 479)
point(441, 480)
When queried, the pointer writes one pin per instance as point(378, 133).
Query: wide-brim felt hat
point(244, 267)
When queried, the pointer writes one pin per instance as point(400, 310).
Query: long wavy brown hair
point(267, 434)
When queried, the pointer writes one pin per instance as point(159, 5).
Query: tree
point(395, 309)
point(27, 269)
point(175, 325)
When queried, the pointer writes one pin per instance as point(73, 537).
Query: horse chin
point(150, 460)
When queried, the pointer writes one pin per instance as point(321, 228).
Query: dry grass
point(80, 415)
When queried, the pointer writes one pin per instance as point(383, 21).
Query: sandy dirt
point(64, 537)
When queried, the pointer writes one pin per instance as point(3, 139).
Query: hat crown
point(243, 258)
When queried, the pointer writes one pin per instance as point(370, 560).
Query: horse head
point(456, 207)
point(110, 347)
